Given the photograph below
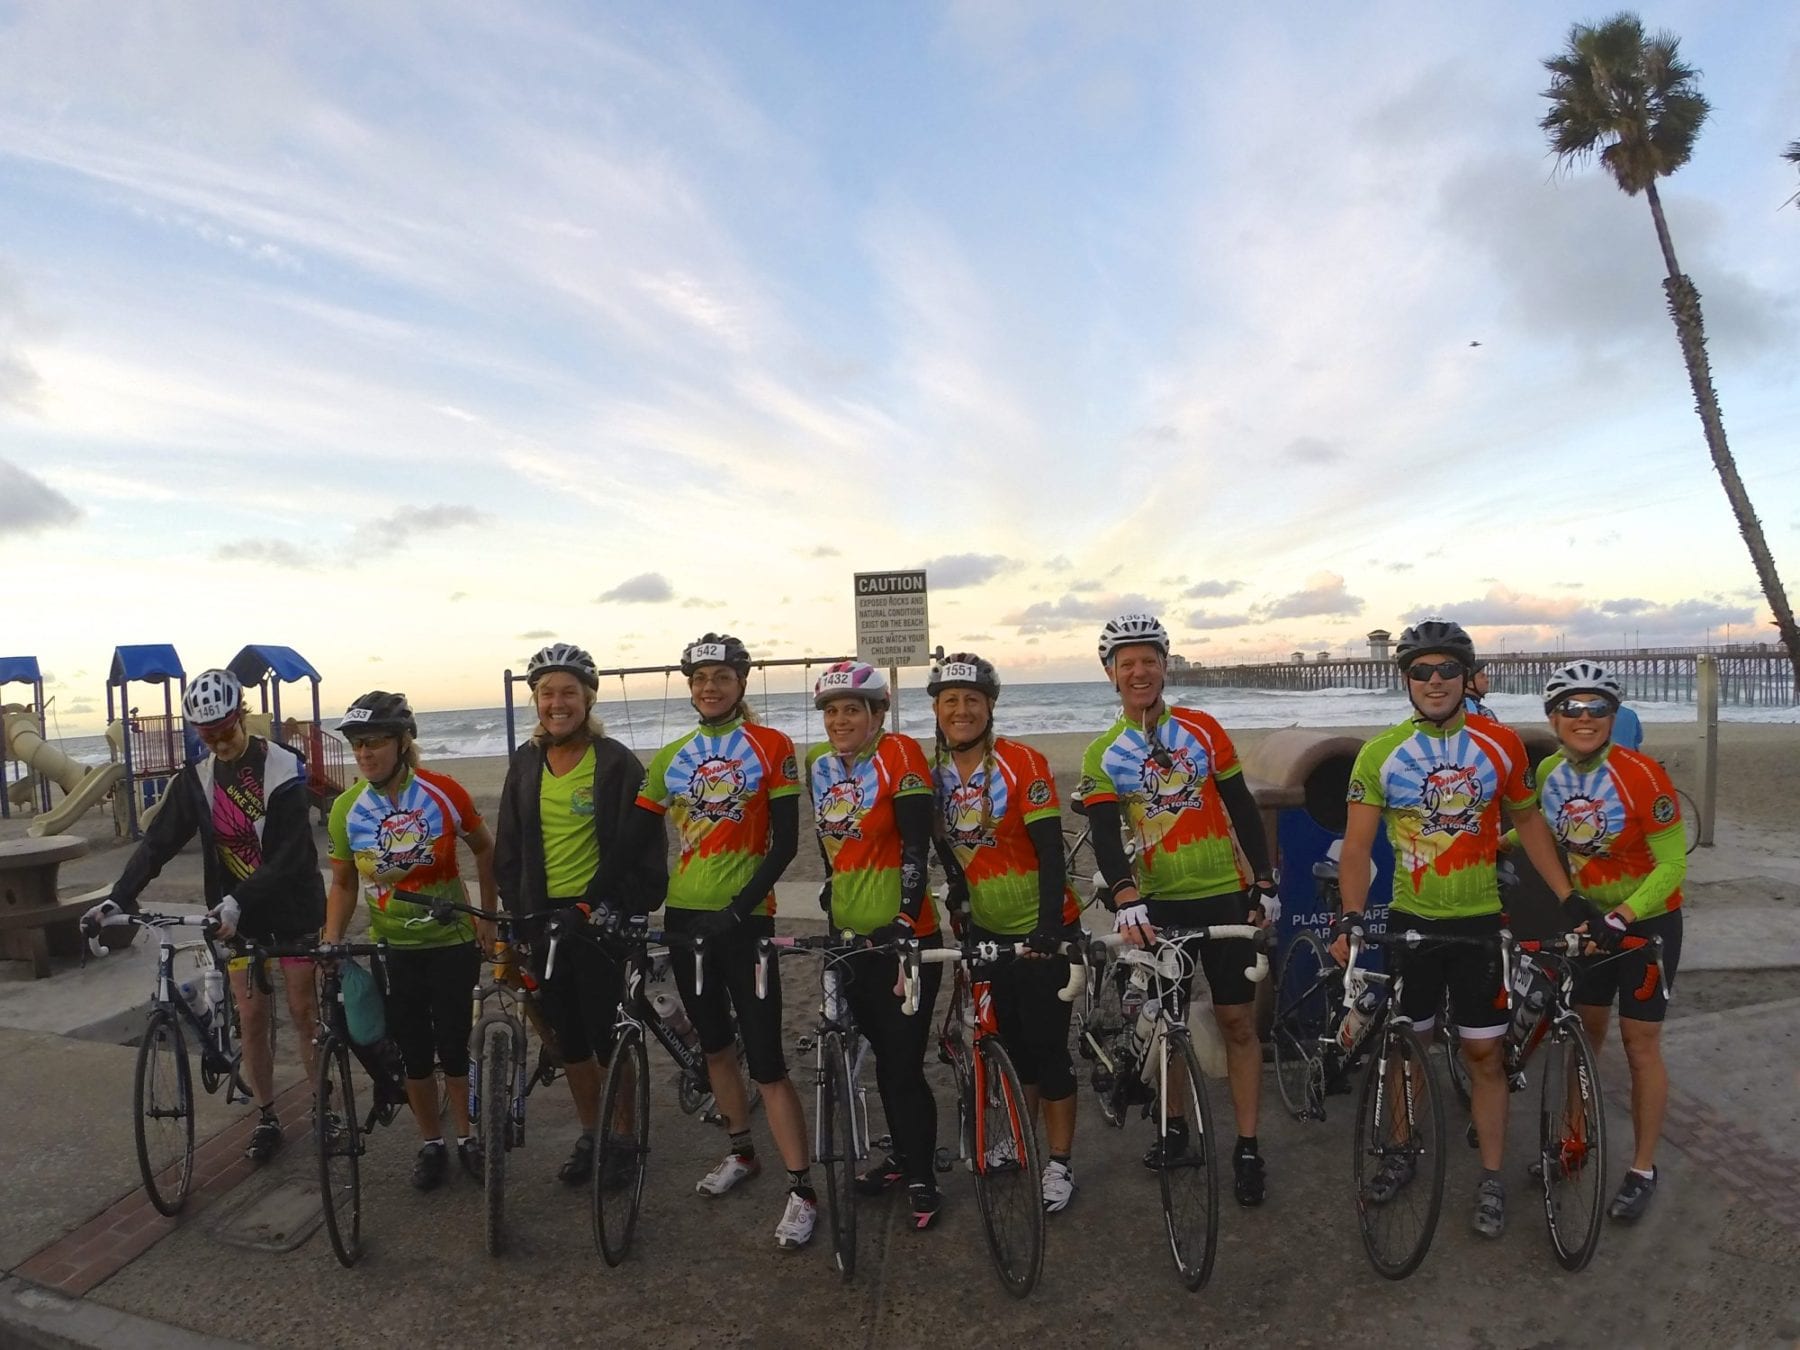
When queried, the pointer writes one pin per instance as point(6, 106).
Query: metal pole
point(894, 684)
point(1709, 746)
point(512, 738)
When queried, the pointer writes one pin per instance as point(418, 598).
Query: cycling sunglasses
point(1424, 670)
point(1585, 707)
point(370, 742)
point(221, 729)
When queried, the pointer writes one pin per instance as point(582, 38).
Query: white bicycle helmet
point(212, 697)
point(1581, 677)
point(563, 656)
point(851, 679)
point(1128, 630)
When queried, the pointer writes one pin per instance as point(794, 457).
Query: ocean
point(644, 723)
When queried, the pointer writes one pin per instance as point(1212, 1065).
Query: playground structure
point(152, 747)
point(266, 668)
point(31, 787)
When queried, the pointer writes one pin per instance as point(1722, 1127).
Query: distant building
point(1379, 639)
point(1323, 656)
point(1177, 661)
point(1298, 658)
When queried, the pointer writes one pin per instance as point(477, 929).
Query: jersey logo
point(790, 769)
point(1038, 794)
point(910, 783)
point(1663, 809)
point(715, 789)
point(1356, 791)
point(581, 801)
point(964, 807)
point(1581, 826)
point(840, 810)
point(1453, 797)
point(1170, 783)
point(402, 842)
point(1087, 784)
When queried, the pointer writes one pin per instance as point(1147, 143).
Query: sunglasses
point(1424, 670)
point(1584, 707)
point(370, 742)
point(220, 730)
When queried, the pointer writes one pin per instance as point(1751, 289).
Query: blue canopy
point(19, 670)
point(155, 662)
point(254, 662)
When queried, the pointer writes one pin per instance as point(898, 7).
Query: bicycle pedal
point(943, 1160)
point(885, 1143)
point(805, 1045)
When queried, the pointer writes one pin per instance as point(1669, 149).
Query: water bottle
point(1529, 999)
point(213, 982)
point(1356, 1017)
point(1131, 998)
point(1143, 1029)
point(195, 997)
point(674, 1017)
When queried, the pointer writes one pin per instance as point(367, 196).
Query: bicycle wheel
point(1399, 1160)
point(1009, 1166)
point(836, 1135)
point(1190, 1179)
point(1690, 819)
point(1079, 864)
point(339, 1137)
point(1099, 1031)
point(1307, 1000)
point(1572, 1147)
point(623, 1152)
point(496, 1069)
point(165, 1113)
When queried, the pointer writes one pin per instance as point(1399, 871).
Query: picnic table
point(34, 924)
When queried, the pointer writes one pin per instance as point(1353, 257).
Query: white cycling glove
point(227, 913)
point(1131, 916)
point(1269, 900)
point(98, 914)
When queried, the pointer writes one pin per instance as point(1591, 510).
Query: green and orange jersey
point(1440, 790)
point(404, 840)
point(984, 817)
point(1618, 820)
point(717, 783)
point(1168, 785)
point(853, 808)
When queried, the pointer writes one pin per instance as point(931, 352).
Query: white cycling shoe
point(1059, 1187)
point(796, 1227)
point(728, 1174)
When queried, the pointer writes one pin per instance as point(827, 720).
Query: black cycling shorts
point(582, 1001)
point(1225, 961)
point(730, 985)
point(430, 1005)
point(1470, 974)
point(1034, 1022)
point(1629, 979)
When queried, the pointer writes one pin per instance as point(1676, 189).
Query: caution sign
point(892, 625)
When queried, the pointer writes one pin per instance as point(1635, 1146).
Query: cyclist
point(733, 788)
point(568, 793)
point(998, 813)
point(396, 828)
point(872, 800)
point(246, 799)
point(1438, 781)
point(1617, 817)
point(1475, 703)
point(1174, 774)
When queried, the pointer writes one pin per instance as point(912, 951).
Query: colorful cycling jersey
point(1440, 792)
point(405, 840)
point(985, 819)
point(1169, 785)
point(718, 783)
point(238, 807)
point(1617, 818)
point(853, 807)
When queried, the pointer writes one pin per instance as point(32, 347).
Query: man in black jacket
point(246, 799)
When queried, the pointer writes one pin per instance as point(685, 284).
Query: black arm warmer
point(163, 838)
point(913, 816)
point(1104, 827)
point(290, 859)
point(1046, 837)
point(784, 843)
point(1246, 821)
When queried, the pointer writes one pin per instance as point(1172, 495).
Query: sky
point(416, 335)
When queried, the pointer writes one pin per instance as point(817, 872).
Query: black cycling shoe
point(469, 1151)
point(1247, 1170)
point(884, 1176)
point(264, 1139)
point(580, 1164)
point(1165, 1149)
point(927, 1203)
point(430, 1167)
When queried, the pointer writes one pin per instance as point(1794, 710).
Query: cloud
point(821, 551)
point(28, 503)
point(1606, 623)
point(392, 532)
point(1057, 616)
point(1201, 619)
point(1313, 450)
point(535, 635)
point(1090, 584)
point(1324, 594)
point(695, 602)
point(1211, 590)
point(647, 588)
point(266, 553)
point(1059, 563)
point(1499, 607)
point(956, 570)
point(458, 595)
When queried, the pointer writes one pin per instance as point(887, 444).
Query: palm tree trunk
point(1690, 329)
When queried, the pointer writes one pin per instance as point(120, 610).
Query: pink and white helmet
point(851, 679)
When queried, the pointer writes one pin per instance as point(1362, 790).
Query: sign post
point(893, 625)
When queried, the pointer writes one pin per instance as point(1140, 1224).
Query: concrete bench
point(34, 924)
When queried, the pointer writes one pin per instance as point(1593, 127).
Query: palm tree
point(1632, 100)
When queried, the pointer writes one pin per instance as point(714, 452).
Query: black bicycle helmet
point(1435, 637)
point(715, 649)
point(379, 713)
point(964, 670)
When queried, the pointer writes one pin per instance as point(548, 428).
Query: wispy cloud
point(28, 504)
point(392, 532)
point(647, 588)
point(267, 552)
point(1324, 593)
point(956, 570)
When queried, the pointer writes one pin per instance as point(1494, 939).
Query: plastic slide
point(83, 788)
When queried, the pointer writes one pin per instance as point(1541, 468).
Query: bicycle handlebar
point(1256, 973)
point(1574, 944)
point(990, 951)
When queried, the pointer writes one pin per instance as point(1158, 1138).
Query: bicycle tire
point(1307, 1001)
point(623, 1150)
point(1101, 1029)
point(163, 1073)
point(1690, 819)
point(210, 1077)
point(1190, 1184)
point(1009, 1186)
point(1572, 1148)
point(1396, 1256)
point(496, 1067)
point(836, 1135)
point(1079, 864)
point(338, 1135)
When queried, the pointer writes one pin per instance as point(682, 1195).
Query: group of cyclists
point(579, 834)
